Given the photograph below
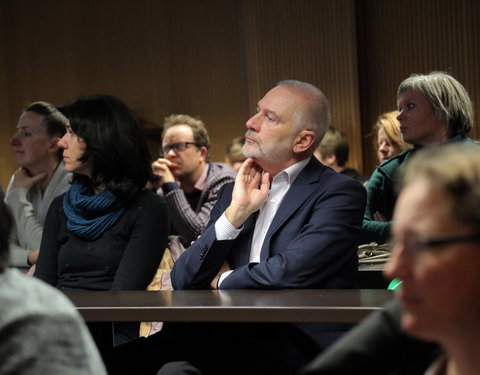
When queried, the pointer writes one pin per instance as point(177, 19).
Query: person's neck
point(463, 354)
point(337, 168)
point(49, 167)
point(462, 368)
point(274, 168)
point(436, 139)
point(188, 182)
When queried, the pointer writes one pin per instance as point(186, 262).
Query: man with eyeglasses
point(188, 181)
point(287, 222)
point(433, 327)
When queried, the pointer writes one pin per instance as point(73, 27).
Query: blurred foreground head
point(436, 231)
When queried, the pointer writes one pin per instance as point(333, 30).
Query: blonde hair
point(335, 142)
point(453, 169)
point(234, 151)
point(391, 126)
point(447, 96)
point(200, 134)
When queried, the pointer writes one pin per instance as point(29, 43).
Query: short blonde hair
point(234, 151)
point(335, 142)
point(453, 169)
point(391, 126)
point(447, 96)
point(200, 134)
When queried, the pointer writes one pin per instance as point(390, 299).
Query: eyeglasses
point(180, 146)
point(421, 244)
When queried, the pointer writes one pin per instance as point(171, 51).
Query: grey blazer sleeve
point(27, 233)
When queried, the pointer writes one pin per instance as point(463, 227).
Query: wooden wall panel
point(205, 67)
point(312, 41)
point(6, 157)
point(217, 58)
point(400, 38)
point(60, 50)
point(159, 57)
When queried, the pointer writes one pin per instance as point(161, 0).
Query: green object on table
point(395, 284)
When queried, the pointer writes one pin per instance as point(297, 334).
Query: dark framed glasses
point(429, 243)
point(176, 147)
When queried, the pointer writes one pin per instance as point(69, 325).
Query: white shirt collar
point(294, 170)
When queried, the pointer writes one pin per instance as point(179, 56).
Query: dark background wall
point(216, 58)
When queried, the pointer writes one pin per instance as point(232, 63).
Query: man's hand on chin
point(249, 192)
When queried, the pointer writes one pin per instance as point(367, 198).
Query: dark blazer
point(311, 242)
point(377, 345)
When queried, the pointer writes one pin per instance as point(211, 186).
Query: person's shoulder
point(41, 317)
point(390, 166)
point(341, 181)
point(217, 168)
point(24, 296)
point(57, 202)
point(353, 173)
point(318, 172)
point(396, 160)
point(472, 141)
point(219, 174)
point(147, 198)
point(328, 179)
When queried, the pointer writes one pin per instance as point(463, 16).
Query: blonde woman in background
point(434, 108)
point(389, 140)
point(234, 156)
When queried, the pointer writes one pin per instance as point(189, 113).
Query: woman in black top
point(106, 232)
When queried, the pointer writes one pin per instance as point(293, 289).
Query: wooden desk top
point(304, 305)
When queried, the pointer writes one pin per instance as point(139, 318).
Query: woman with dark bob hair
point(106, 232)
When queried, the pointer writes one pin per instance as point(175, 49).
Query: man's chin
point(415, 324)
point(254, 154)
point(177, 174)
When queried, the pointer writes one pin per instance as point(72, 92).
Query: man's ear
point(204, 152)
point(304, 141)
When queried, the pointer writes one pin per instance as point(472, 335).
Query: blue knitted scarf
point(89, 215)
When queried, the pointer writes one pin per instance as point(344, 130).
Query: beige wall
point(216, 58)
